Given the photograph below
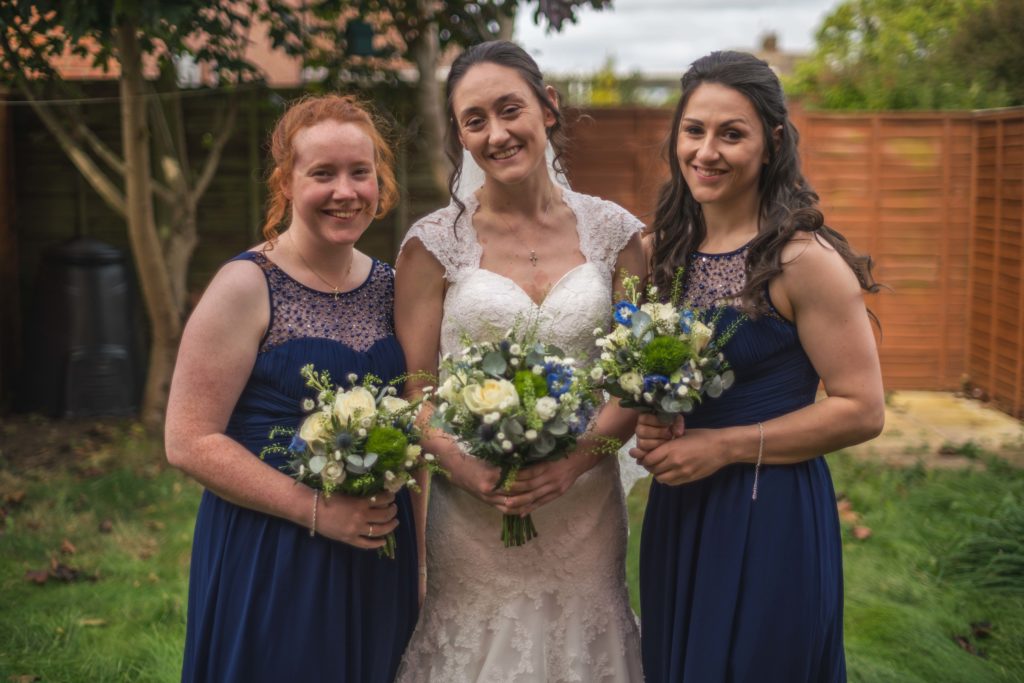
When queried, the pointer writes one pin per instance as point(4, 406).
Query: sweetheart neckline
point(551, 290)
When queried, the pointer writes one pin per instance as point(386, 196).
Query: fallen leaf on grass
point(16, 498)
point(58, 571)
point(967, 646)
point(155, 524)
point(981, 629)
point(67, 547)
point(861, 532)
point(23, 678)
point(38, 577)
point(92, 621)
point(106, 526)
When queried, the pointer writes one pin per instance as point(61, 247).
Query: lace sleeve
point(605, 229)
point(451, 246)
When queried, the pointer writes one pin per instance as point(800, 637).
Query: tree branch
point(216, 150)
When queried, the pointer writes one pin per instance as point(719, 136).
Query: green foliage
point(926, 54)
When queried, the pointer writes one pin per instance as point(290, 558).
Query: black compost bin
point(83, 347)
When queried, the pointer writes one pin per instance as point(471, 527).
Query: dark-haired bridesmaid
point(741, 556)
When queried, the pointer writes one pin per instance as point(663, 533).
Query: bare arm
point(820, 294)
point(217, 354)
point(419, 301)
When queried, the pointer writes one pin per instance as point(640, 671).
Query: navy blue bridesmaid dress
point(735, 590)
point(266, 601)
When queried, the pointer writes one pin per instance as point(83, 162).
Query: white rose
point(449, 390)
point(700, 334)
point(355, 404)
point(494, 395)
point(546, 408)
point(665, 316)
point(392, 404)
point(413, 450)
point(597, 373)
point(314, 427)
point(392, 483)
point(631, 382)
point(333, 473)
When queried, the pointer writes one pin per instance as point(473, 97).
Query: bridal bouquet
point(359, 441)
point(513, 403)
point(662, 357)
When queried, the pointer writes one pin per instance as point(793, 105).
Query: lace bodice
point(577, 303)
point(353, 318)
point(557, 608)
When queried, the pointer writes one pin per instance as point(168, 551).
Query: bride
point(517, 244)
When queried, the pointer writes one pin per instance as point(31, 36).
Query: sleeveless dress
point(555, 609)
point(733, 589)
point(266, 601)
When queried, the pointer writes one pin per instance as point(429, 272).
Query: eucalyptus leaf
point(544, 444)
point(728, 377)
point(557, 427)
point(316, 463)
point(641, 324)
point(494, 364)
point(671, 404)
point(512, 428)
point(715, 387)
point(534, 357)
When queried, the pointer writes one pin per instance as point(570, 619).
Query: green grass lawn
point(946, 550)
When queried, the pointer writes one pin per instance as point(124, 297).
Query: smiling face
point(721, 147)
point(501, 122)
point(333, 183)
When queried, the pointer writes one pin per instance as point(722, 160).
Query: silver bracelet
point(316, 499)
point(760, 457)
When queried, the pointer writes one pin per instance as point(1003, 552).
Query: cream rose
point(494, 395)
point(700, 334)
point(393, 404)
point(355, 404)
point(546, 408)
point(314, 428)
point(631, 382)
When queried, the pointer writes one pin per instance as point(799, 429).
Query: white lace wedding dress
point(555, 609)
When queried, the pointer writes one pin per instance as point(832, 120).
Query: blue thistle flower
point(342, 441)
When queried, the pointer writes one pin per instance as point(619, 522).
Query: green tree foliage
point(922, 54)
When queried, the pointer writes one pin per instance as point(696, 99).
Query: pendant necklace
point(320, 277)
point(515, 232)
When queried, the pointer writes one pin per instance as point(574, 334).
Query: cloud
point(665, 36)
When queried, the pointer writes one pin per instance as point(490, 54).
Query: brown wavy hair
point(309, 111)
point(788, 204)
point(510, 55)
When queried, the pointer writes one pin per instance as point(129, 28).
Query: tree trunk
point(164, 318)
point(427, 54)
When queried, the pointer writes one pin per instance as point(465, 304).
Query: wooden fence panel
point(995, 346)
point(897, 186)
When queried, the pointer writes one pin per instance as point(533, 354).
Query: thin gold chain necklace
point(322, 279)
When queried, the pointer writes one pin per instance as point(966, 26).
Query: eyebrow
point(499, 102)
point(728, 122)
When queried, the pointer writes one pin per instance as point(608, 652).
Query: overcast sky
point(665, 36)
